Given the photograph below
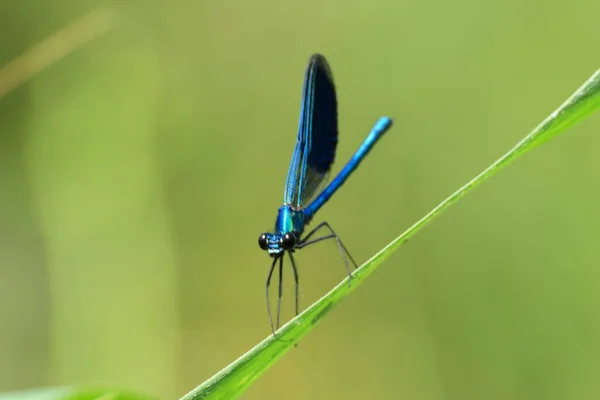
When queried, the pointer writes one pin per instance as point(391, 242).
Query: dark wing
point(317, 135)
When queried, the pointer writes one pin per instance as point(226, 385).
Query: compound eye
point(288, 241)
point(263, 242)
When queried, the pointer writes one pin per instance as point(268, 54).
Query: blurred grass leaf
point(55, 47)
point(66, 393)
point(238, 376)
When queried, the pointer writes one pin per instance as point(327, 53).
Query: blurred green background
point(137, 172)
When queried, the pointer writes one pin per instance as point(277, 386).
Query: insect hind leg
point(306, 241)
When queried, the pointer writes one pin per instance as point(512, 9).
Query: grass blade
point(55, 47)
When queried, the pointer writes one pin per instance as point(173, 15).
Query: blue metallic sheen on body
point(288, 221)
point(314, 154)
point(381, 126)
point(312, 159)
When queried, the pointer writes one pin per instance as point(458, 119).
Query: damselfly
point(311, 163)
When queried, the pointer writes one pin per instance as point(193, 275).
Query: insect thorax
point(289, 220)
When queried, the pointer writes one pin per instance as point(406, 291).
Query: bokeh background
point(137, 171)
